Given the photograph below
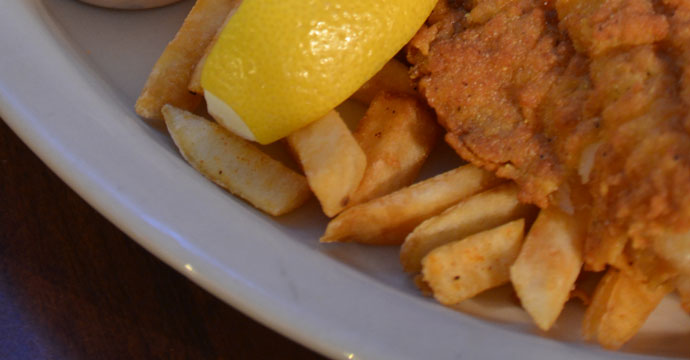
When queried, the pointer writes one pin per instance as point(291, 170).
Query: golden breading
point(583, 103)
point(486, 83)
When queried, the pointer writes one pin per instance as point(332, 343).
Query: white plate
point(69, 75)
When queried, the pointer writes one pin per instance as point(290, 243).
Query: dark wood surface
point(72, 286)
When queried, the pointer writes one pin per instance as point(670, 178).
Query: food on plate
point(575, 110)
point(619, 307)
point(584, 104)
point(397, 134)
point(273, 68)
point(466, 267)
point(549, 262)
point(388, 219)
point(236, 164)
point(194, 85)
point(332, 160)
point(683, 288)
point(474, 214)
point(535, 106)
point(167, 83)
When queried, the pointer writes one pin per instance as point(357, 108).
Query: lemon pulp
point(281, 64)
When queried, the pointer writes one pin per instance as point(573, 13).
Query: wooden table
point(72, 286)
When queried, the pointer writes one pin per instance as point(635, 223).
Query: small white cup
point(130, 4)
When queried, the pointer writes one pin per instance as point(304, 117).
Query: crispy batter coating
point(486, 84)
point(584, 103)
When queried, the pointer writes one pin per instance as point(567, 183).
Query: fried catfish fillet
point(584, 103)
point(486, 81)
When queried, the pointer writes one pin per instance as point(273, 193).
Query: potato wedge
point(477, 213)
point(464, 268)
point(397, 133)
point(548, 265)
point(683, 288)
point(167, 83)
point(194, 85)
point(388, 219)
point(235, 164)
point(619, 308)
point(421, 285)
point(393, 77)
point(332, 160)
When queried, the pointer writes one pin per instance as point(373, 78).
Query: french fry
point(195, 80)
point(477, 213)
point(388, 219)
point(397, 133)
point(167, 83)
point(235, 164)
point(619, 308)
point(332, 160)
point(422, 285)
point(393, 77)
point(683, 288)
point(548, 265)
point(464, 268)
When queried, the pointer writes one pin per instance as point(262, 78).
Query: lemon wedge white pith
point(281, 64)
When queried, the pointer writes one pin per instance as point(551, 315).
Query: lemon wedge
point(281, 64)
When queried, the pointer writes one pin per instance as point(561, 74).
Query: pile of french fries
point(460, 233)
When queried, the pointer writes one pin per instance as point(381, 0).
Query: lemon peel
point(281, 64)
